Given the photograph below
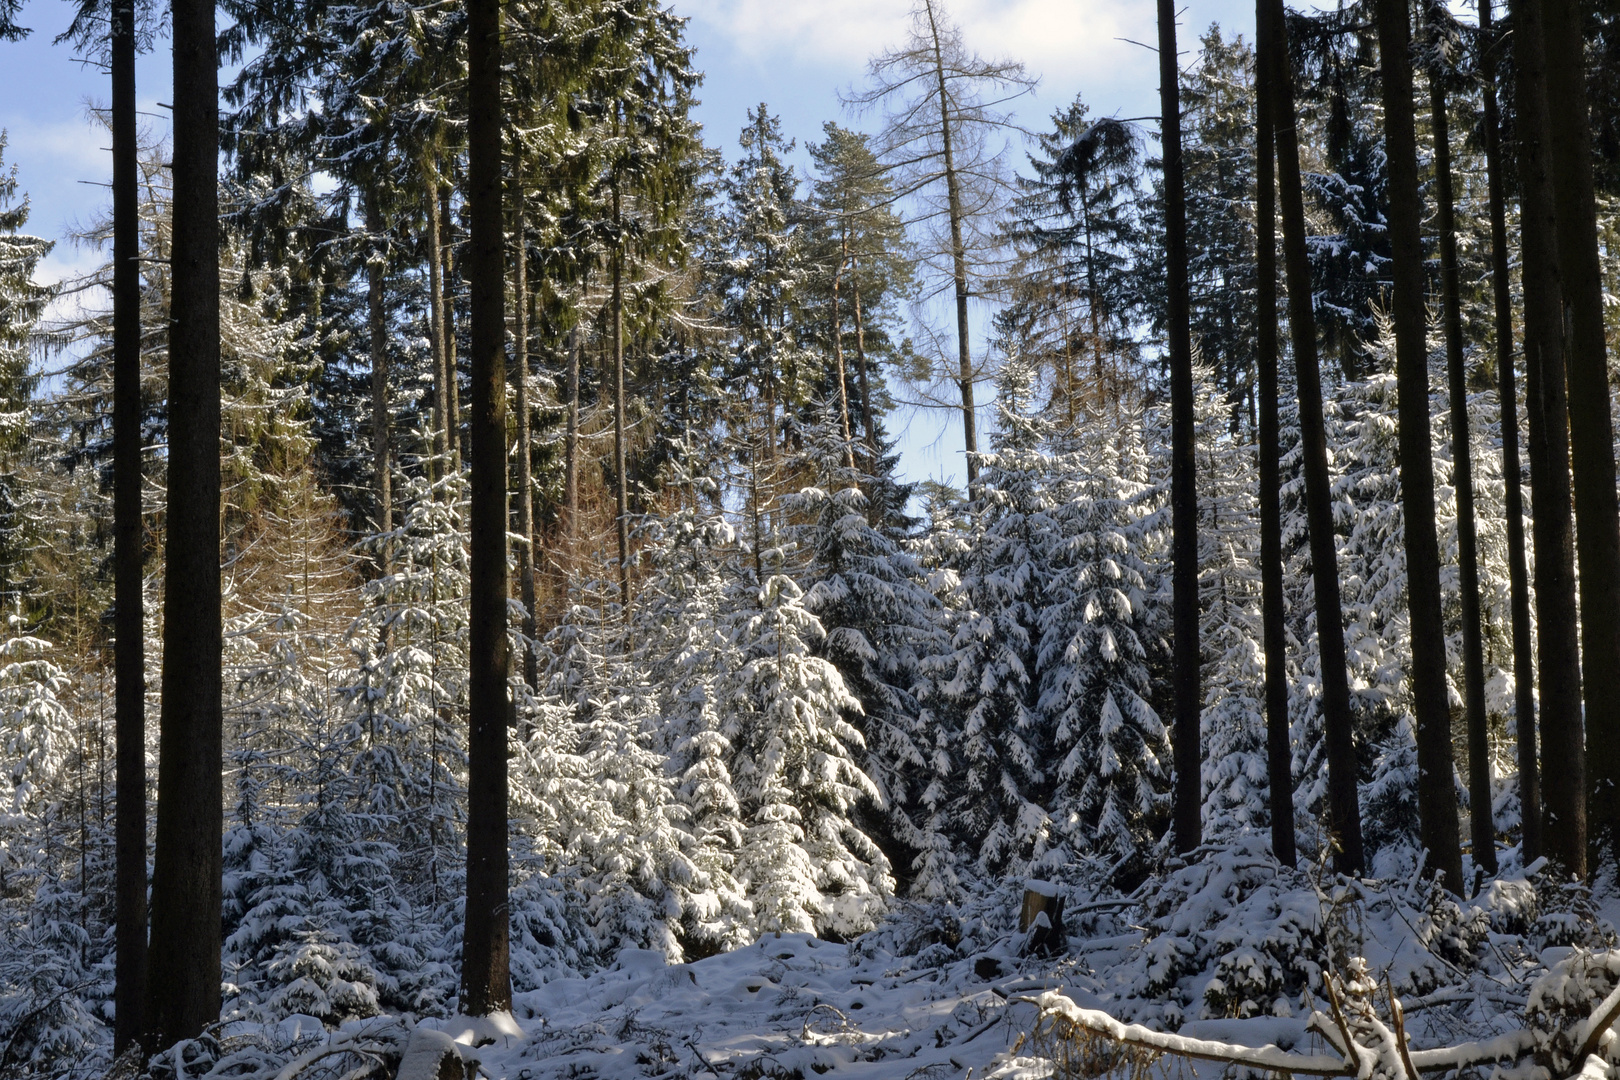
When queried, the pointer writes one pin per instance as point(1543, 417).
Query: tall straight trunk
point(621, 478)
point(867, 423)
point(459, 449)
point(1563, 752)
point(838, 357)
point(378, 329)
point(486, 981)
point(525, 478)
point(571, 442)
point(186, 887)
point(441, 376)
point(1188, 749)
point(953, 199)
point(1524, 669)
point(1482, 825)
point(129, 655)
point(1344, 811)
point(1279, 758)
point(1437, 794)
point(1591, 428)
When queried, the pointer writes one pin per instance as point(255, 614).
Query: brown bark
point(458, 437)
point(1591, 428)
point(186, 887)
point(1524, 670)
point(377, 327)
point(1563, 752)
point(1482, 826)
point(1344, 813)
point(621, 479)
point(1188, 749)
point(1279, 758)
point(441, 377)
point(486, 983)
point(129, 657)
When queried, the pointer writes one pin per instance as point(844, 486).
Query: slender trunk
point(378, 330)
point(838, 357)
point(1344, 813)
point(525, 478)
point(953, 197)
point(1563, 752)
point(486, 983)
point(866, 383)
point(129, 641)
point(571, 444)
point(1183, 462)
point(1437, 794)
point(620, 475)
point(1524, 670)
point(1483, 827)
point(1591, 428)
point(1279, 758)
point(186, 886)
point(452, 387)
point(441, 377)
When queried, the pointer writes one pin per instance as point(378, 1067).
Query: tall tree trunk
point(1279, 759)
point(436, 335)
point(1437, 794)
point(486, 982)
point(1591, 429)
point(571, 444)
point(1563, 752)
point(1482, 825)
point(1524, 670)
point(1183, 460)
point(1344, 813)
point(377, 327)
point(621, 478)
point(525, 478)
point(953, 198)
point(867, 423)
point(129, 657)
point(459, 448)
point(186, 887)
point(838, 357)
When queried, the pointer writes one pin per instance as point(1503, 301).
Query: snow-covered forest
point(462, 599)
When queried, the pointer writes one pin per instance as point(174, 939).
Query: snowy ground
point(791, 1005)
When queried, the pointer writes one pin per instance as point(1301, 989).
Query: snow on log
point(431, 1055)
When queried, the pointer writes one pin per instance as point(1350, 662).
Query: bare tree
point(944, 110)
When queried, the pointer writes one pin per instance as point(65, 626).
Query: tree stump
point(1040, 919)
point(431, 1055)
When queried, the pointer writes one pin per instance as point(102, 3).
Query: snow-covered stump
point(431, 1055)
point(1040, 919)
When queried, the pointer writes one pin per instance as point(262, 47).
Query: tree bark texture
point(486, 983)
point(525, 479)
point(186, 888)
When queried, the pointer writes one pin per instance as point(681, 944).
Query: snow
point(425, 1052)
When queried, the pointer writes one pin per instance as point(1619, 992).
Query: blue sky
point(794, 55)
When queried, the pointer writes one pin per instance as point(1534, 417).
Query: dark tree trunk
point(1563, 752)
point(1344, 813)
point(953, 200)
point(867, 422)
point(571, 444)
point(525, 478)
point(1183, 461)
point(1524, 669)
point(377, 327)
point(1482, 825)
point(486, 982)
point(186, 888)
point(128, 548)
point(1279, 758)
point(436, 334)
point(1591, 429)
